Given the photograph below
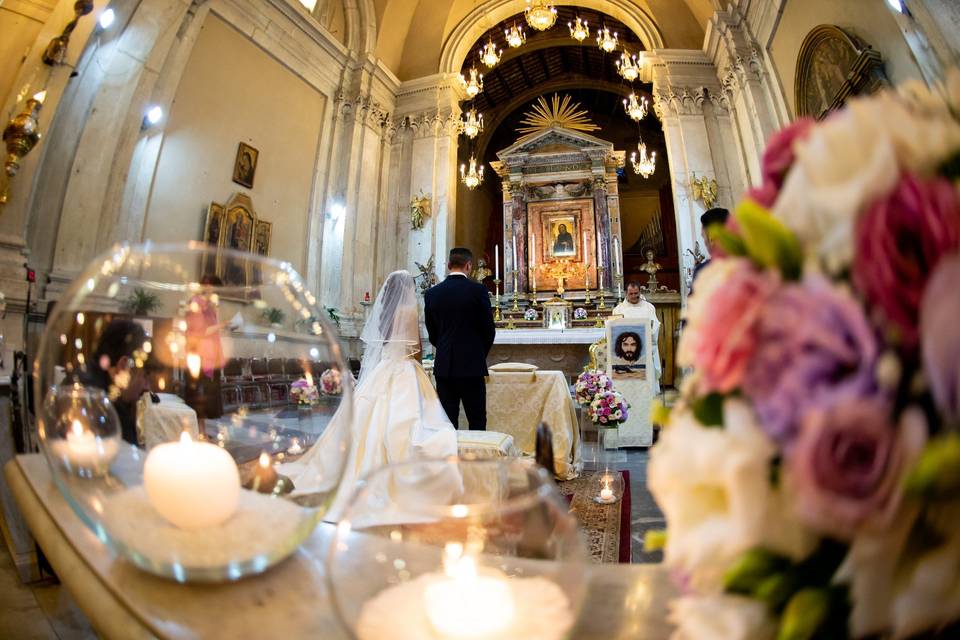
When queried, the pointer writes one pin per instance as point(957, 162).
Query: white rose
point(721, 617)
point(713, 485)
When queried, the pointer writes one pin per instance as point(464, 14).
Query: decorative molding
point(679, 101)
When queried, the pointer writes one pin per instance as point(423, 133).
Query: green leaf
point(775, 590)
point(654, 540)
point(805, 613)
point(768, 242)
point(708, 410)
point(751, 569)
point(937, 473)
point(731, 243)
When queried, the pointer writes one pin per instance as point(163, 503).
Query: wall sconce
point(20, 136)
point(153, 116)
point(106, 18)
point(56, 51)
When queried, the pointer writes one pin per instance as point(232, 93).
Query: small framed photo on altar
point(627, 340)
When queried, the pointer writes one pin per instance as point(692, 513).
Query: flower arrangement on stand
point(331, 383)
point(304, 392)
point(608, 408)
point(810, 472)
point(589, 383)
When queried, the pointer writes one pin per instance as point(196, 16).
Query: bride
point(396, 413)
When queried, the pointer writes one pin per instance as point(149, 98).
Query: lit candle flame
point(193, 364)
point(264, 460)
point(162, 384)
point(308, 378)
point(77, 428)
point(185, 438)
point(41, 96)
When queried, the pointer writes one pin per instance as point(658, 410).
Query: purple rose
point(813, 346)
point(899, 241)
point(847, 463)
point(940, 336)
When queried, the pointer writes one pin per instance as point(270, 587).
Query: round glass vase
point(305, 417)
point(458, 549)
point(607, 486)
point(187, 481)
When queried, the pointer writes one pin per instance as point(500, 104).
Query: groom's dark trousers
point(460, 325)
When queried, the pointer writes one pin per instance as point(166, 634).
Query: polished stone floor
point(47, 611)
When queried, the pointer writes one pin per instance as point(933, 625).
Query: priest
point(636, 307)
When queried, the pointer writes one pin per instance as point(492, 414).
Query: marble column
point(518, 216)
point(602, 220)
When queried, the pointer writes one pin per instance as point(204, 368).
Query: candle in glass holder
point(83, 449)
point(468, 604)
point(606, 494)
point(192, 484)
point(265, 477)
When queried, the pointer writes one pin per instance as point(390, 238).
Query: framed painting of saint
point(212, 230)
point(240, 223)
point(245, 165)
point(261, 238)
point(561, 232)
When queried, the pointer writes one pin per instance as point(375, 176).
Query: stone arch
point(361, 26)
point(463, 37)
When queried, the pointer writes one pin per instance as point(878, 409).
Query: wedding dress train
point(397, 416)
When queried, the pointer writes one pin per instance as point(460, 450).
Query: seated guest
point(112, 368)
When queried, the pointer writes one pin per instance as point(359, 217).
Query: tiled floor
point(644, 512)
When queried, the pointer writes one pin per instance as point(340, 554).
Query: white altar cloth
point(548, 336)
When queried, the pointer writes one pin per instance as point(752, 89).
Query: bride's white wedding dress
point(397, 415)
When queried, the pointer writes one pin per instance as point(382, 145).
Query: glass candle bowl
point(458, 549)
point(170, 379)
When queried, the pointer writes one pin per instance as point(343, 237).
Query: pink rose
point(847, 463)
point(722, 339)
point(940, 337)
point(779, 154)
point(765, 195)
point(899, 241)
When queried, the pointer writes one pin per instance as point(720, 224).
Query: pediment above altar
point(556, 140)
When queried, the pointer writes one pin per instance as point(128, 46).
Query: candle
point(82, 449)
point(466, 604)
point(192, 484)
point(496, 262)
point(265, 477)
point(533, 250)
point(586, 248)
point(514, 247)
point(295, 448)
point(606, 495)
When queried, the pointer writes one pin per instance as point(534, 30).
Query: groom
point(460, 325)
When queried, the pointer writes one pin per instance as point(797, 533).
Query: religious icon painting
point(245, 165)
point(261, 238)
point(627, 340)
point(213, 229)
point(560, 233)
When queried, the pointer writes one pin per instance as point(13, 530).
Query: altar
point(566, 350)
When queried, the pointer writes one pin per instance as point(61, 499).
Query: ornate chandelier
point(489, 54)
point(515, 36)
point(636, 109)
point(579, 30)
point(540, 14)
point(472, 123)
point(474, 85)
point(644, 165)
point(606, 41)
point(473, 177)
point(627, 66)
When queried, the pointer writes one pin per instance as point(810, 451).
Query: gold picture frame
point(235, 225)
point(245, 165)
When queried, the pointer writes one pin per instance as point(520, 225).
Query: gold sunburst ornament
point(556, 113)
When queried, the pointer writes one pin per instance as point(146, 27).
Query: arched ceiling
point(411, 34)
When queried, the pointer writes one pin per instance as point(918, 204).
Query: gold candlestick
point(496, 310)
point(619, 280)
point(516, 294)
point(586, 284)
point(600, 291)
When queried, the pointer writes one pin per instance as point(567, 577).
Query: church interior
point(296, 153)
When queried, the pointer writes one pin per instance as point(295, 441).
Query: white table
point(289, 601)
point(548, 336)
point(518, 402)
point(164, 422)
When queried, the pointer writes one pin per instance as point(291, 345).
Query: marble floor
point(47, 612)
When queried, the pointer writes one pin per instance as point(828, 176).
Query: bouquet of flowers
point(579, 313)
point(304, 392)
point(530, 314)
point(331, 383)
point(810, 472)
point(589, 384)
point(608, 408)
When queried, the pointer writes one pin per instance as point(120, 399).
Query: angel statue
point(419, 209)
point(428, 276)
point(704, 190)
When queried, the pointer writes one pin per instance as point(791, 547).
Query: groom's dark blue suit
point(460, 325)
